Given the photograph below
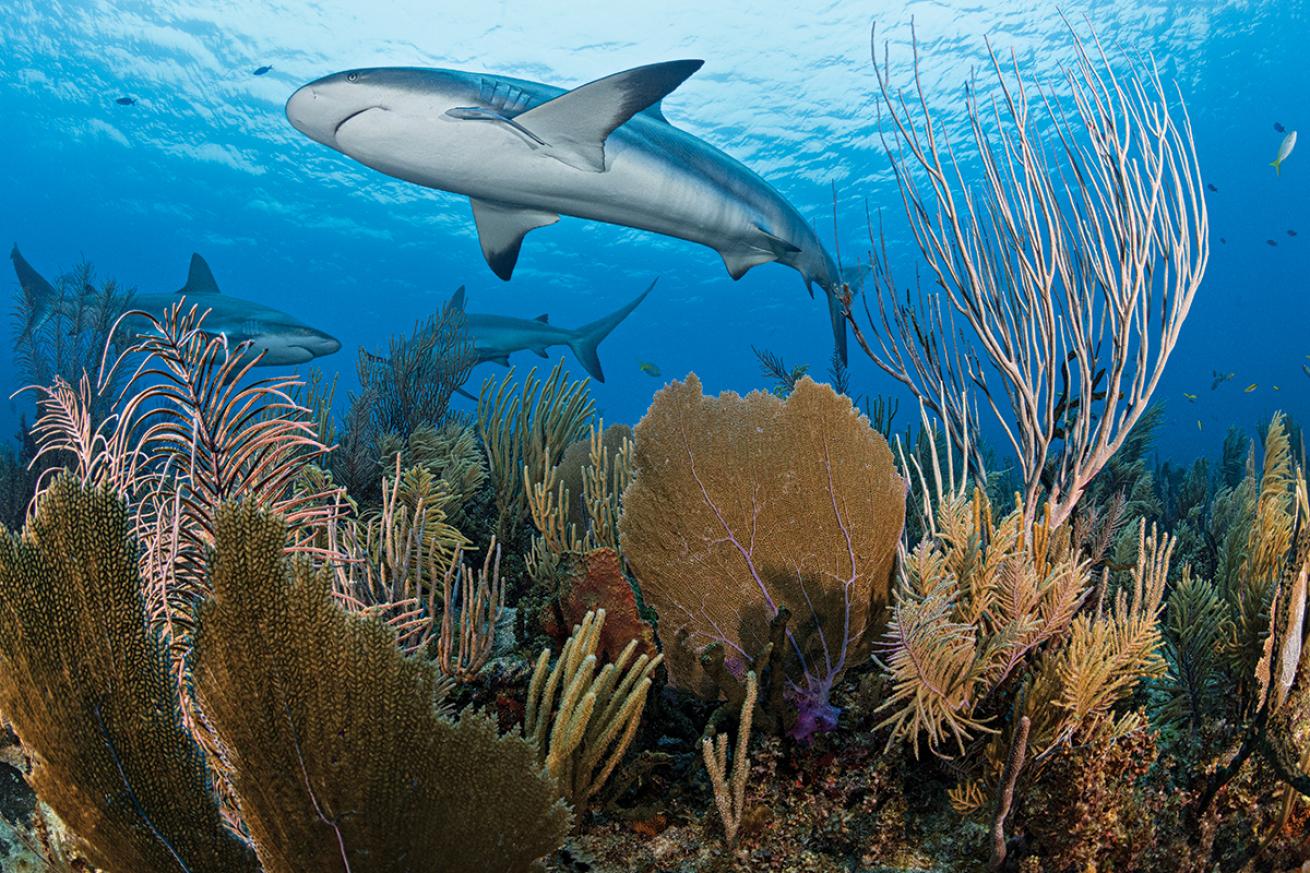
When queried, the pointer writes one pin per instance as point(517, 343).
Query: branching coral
point(450, 453)
point(994, 616)
point(528, 426)
point(412, 385)
point(730, 789)
point(339, 753)
point(471, 605)
point(582, 719)
point(391, 560)
point(744, 506)
point(1061, 280)
point(62, 329)
point(575, 505)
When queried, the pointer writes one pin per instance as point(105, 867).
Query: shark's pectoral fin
point(501, 228)
point(738, 261)
point(576, 124)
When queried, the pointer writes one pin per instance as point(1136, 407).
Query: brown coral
point(339, 755)
point(745, 505)
point(85, 684)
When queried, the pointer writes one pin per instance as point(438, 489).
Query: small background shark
point(496, 337)
point(283, 338)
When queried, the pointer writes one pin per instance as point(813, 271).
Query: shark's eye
point(352, 77)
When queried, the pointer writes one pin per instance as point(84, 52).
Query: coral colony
point(240, 633)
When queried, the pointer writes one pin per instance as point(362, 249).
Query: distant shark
point(283, 339)
point(525, 153)
point(496, 337)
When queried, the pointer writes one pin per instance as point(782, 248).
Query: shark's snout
point(319, 109)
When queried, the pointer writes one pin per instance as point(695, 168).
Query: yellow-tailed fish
point(1249, 388)
point(649, 369)
point(1276, 388)
point(1198, 425)
point(1191, 397)
point(1284, 149)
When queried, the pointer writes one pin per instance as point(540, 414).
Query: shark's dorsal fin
point(456, 301)
point(200, 279)
point(544, 318)
point(656, 111)
point(501, 228)
point(575, 124)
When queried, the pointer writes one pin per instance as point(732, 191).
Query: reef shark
point(283, 339)
point(525, 153)
point(496, 337)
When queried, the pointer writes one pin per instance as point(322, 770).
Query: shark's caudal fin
point(199, 279)
point(575, 124)
point(40, 296)
point(586, 338)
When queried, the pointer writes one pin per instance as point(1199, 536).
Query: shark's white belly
point(639, 188)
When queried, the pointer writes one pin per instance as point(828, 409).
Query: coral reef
point(743, 506)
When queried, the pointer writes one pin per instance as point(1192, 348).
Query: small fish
point(1278, 127)
point(1211, 186)
point(1276, 388)
point(1223, 240)
point(126, 101)
point(1198, 425)
point(649, 369)
point(1271, 243)
point(1220, 378)
point(1291, 232)
point(1249, 388)
point(262, 71)
point(1284, 149)
point(1190, 397)
point(1305, 368)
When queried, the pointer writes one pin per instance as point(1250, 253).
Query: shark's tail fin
point(586, 338)
point(39, 295)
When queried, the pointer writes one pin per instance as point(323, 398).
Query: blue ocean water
point(205, 160)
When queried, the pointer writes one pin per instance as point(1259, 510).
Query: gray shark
point(283, 339)
point(496, 337)
point(526, 153)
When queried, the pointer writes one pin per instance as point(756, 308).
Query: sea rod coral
point(1060, 280)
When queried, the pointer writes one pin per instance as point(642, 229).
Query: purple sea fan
point(745, 506)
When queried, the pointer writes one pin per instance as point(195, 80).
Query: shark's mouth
point(351, 117)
